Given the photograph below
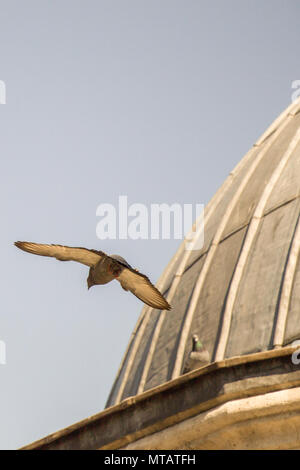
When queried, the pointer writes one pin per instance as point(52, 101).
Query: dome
point(241, 292)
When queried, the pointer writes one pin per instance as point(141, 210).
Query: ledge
point(177, 400)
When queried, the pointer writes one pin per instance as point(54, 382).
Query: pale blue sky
point(156, 100)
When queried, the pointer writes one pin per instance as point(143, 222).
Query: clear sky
point(157, 100)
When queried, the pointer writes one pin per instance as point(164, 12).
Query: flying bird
point(198, 357)
point(103, 269)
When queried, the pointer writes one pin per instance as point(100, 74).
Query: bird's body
point(198, 357)
point(103, 269)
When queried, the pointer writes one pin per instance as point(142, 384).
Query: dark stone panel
point(257, 182)
point(208, 314)
point(292, 331)
point(136, 370)
point(257, 297)
point(288, 185)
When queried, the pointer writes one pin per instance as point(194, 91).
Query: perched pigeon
point(198, 357)
point(103, 269)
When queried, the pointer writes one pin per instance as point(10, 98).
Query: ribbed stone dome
point(241, 292)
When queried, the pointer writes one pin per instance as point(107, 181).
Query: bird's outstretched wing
point(141, 287)
point(63, 253)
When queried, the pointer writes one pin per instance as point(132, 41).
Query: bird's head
point(90, 281)
point(196, 343)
